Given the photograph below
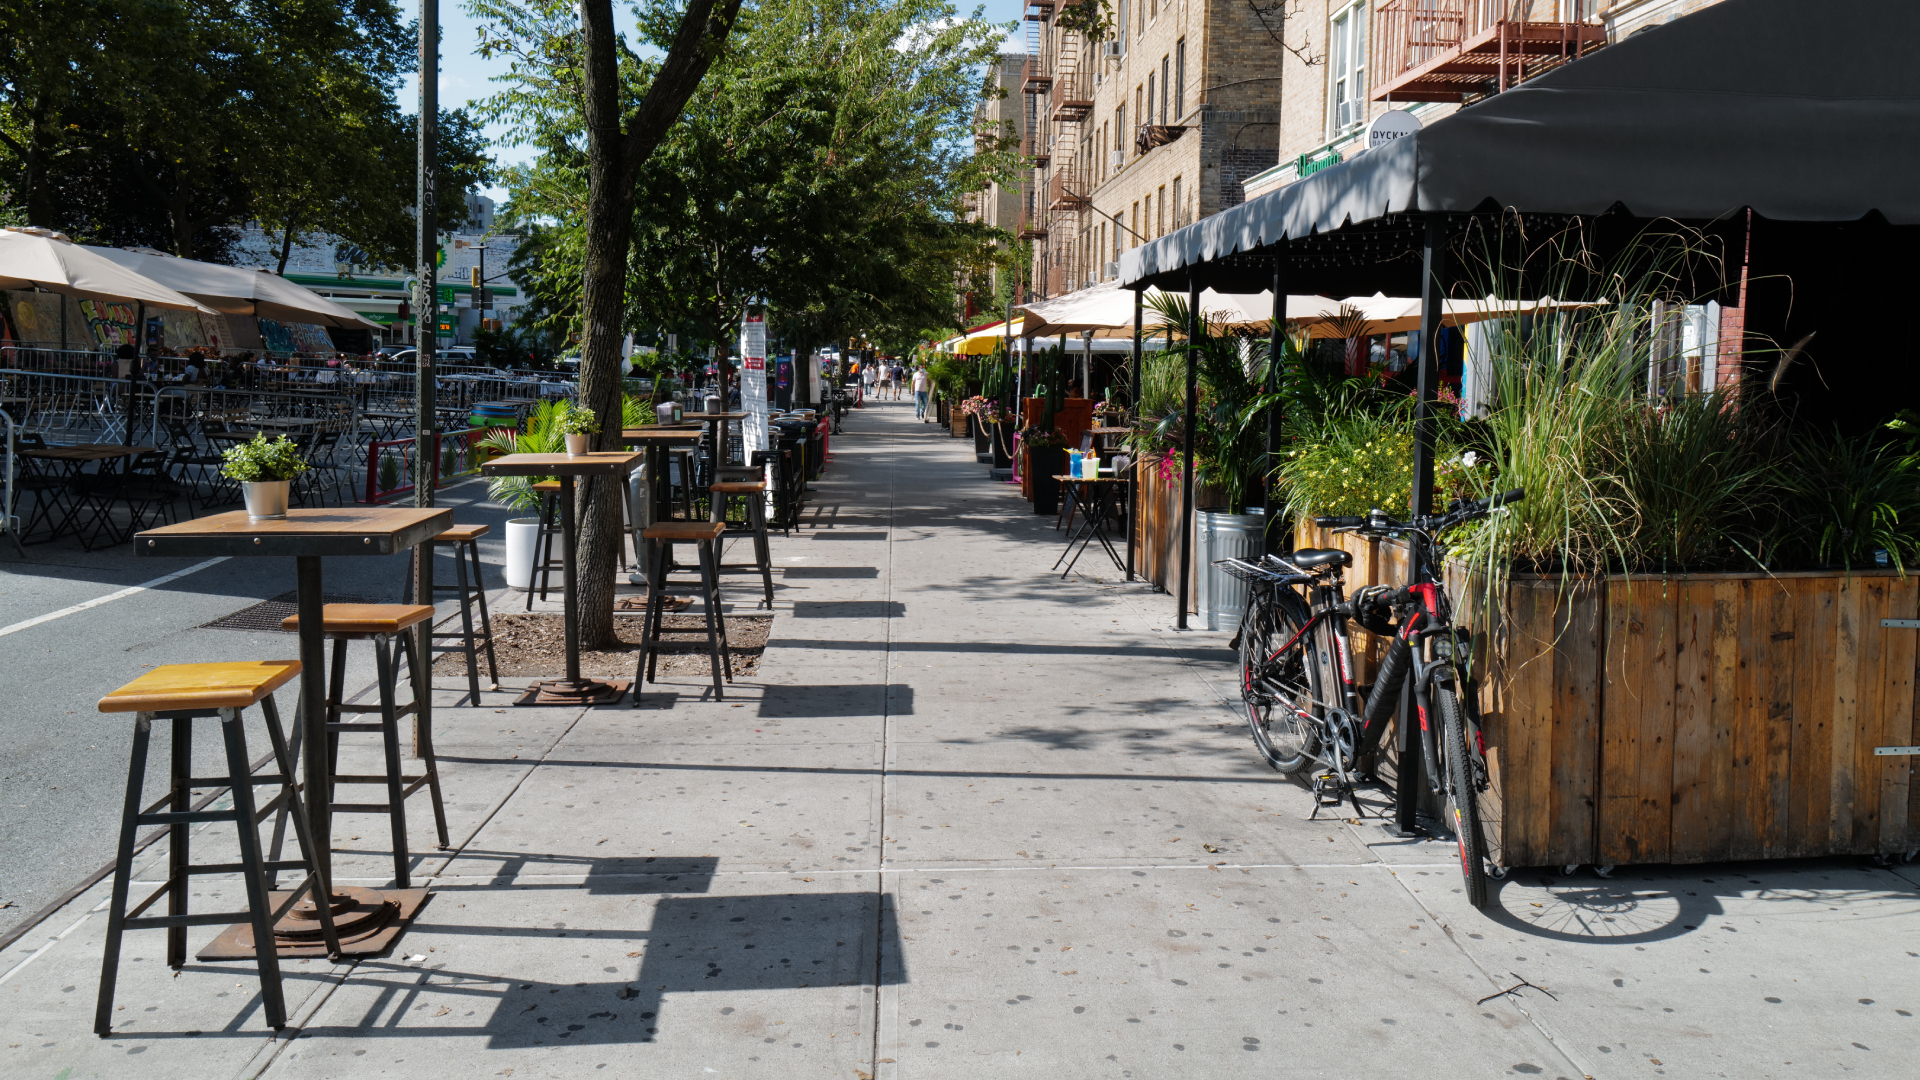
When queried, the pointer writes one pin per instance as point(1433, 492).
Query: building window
point(1347, 68)
point(1160, 213)
point(1179, 208)
point(1164, 89)
point(1153, 9)
point(1133, 234)
point(1120, 130)
point(1120, 24)
point(1147, 117)
point(1179, 79)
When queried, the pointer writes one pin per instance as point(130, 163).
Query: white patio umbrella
point(1398, 314)
point(234, 290)
point(41, 258)
point(1107, 310)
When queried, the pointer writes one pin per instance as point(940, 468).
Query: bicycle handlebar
point(1458, 513)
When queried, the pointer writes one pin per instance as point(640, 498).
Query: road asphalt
point(967, 817)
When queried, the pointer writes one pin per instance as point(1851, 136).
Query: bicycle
point(1303, 704)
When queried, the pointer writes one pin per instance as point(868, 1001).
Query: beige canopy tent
point(233, 290)
point(44, 259)
point(1399, 314)
point(1107, 310)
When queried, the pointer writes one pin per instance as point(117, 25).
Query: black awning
point(1793, 109)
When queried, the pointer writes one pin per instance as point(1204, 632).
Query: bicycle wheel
point(1279, 690)
point(1461, 803)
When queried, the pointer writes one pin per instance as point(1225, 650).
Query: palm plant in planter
point(265, 470)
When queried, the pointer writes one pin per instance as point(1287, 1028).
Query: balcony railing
point(1065, 188)
point(1453, 50)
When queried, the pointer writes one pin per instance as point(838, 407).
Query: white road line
point(110, 597)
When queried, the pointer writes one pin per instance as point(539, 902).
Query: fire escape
point(1035, 84)
point(1464, 50)
point(1066, 107)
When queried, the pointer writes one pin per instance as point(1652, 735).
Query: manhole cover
point(268, 614)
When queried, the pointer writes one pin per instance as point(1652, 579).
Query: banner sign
point(753, 384)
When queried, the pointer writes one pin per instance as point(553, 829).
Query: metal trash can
point(1218, 535)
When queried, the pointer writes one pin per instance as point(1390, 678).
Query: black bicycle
point(1297, 673)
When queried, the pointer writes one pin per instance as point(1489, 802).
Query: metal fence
point(8, 524)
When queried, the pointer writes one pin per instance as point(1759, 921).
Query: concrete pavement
point(969, 818)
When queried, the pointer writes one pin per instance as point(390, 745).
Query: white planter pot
point(520, 536)
point(576, 445)
point(266, 499)
point(1219, 597)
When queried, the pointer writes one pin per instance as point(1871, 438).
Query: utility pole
point(427, 298)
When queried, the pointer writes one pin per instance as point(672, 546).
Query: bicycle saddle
point(1312, 558)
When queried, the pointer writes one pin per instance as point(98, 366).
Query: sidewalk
point(969, 817)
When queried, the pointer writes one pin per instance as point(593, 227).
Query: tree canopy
point(171, 123)
point(819, 168)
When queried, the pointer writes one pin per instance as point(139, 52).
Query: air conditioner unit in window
point(1113, 50)
point(1119, 159)
point(1113, 269)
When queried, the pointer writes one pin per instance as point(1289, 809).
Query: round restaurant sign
point(1391, 125)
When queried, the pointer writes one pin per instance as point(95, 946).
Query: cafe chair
point(181, 694)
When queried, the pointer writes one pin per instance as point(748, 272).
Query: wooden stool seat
point(183, 687)
point(739, 487)
point(460, 534)
point(365, 618)
point(547, 485)
point(685, 531)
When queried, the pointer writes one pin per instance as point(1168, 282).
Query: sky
point(465, 76)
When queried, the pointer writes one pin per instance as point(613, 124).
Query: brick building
point(999, 116)
point(1152, 127)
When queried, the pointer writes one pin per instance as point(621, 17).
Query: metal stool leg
point(122, 876)
point(486, 621)
point(253, 869)
point(757, 514)
point(383, 659)
point(710, 587)
point(466, 623)
point(179, 838)
point(423, 739)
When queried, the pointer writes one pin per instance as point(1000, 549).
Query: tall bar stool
point(544, 564)
point(183, 693)
point(704, 535)
point(386, 625)
point(466, 553)
point(754, 492)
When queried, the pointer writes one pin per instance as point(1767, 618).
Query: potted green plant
point(265, 470)
point(578, 425)
point(542, 436)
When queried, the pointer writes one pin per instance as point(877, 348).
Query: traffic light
point(476, 277)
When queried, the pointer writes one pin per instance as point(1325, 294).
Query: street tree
point(571, 75)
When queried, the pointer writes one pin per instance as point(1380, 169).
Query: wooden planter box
point(1641, 719)
point(1157, 528)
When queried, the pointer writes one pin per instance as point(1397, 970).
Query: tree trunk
point(603, 295)
point(614, 158)
point(286, 248)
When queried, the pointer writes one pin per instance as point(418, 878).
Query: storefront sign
point(1391, 125)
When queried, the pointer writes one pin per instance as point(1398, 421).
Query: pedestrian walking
point(899, 380)
point(921, 385)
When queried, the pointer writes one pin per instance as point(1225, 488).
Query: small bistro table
point(310, 535)
point(1093, 497)
point(572, 689)
point(73, 460)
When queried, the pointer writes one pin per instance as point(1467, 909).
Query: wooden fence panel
point(1809, 796)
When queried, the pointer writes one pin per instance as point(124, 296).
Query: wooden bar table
point(717, 423)
point(572, 689)
point(655, 441)
point(309, 535)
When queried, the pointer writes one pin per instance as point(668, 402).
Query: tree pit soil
point(535, 645)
